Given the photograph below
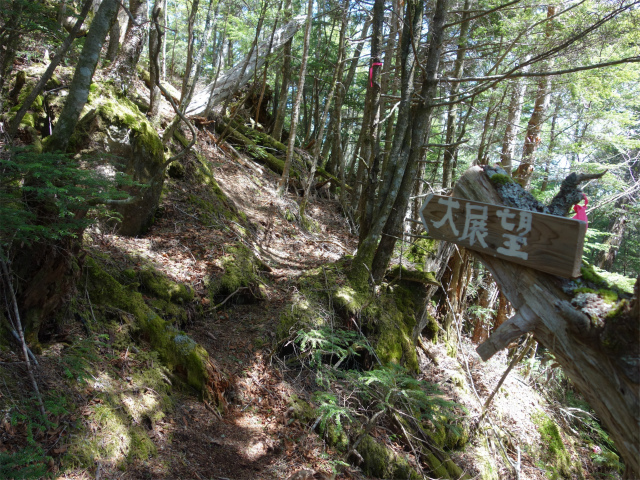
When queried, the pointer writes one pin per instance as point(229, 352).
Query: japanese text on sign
point(541, 241)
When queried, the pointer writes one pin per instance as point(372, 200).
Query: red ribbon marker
point(371, 72)
point(581, 211)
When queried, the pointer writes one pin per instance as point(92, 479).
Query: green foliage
point(28, 463)
point(558, 460)
point(322, 341)
point(44, 196)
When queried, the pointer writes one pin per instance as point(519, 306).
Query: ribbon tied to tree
point(374, 64)
point(581, 210)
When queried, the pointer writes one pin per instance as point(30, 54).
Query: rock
point(115, 126)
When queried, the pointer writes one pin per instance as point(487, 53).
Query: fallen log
point(227, 84)
point(608, 379)
point(256, 151)
point(266, 140)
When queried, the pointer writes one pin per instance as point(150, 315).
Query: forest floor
point(257, 437)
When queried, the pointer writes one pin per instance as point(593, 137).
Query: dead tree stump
point(608, 380)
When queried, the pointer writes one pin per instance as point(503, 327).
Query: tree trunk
point(608, 379)
point(79, 89)
point(123, 68)
point(532, 139)
point(452, 115)
point(322, 121)
point(553, 138)
point(513, 124)
point(420, 118)
point(155, 47)
point(50, 269)
point(114, 40)
point(59, 56)
point(196, 70)
point(296, 104)
point(341, 95)
point(371, 134)
point(184, 90)
point(617, 225)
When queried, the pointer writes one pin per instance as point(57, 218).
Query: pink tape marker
point(374, 64)
point(581, 211)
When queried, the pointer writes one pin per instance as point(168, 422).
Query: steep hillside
point(227, 343)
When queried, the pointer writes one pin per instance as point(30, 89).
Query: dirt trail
point(256, 438)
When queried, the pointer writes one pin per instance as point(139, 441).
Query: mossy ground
point(554, 456)
point(178, 351)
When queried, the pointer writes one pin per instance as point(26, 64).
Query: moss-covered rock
point(381, 462)
point(402, 273)
point(115, 125)
point(158, 285)
point(240, 269)
point(179, 352)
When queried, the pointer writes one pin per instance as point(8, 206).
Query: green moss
point(240, 267)
point(500, 179)
point(436, 468)
point(403, 273)
point(607, 280)
point(420, 250)
point(583, 290)
point(381, 462)
point(609, 296)
point(394, 342)
point(555, 454)
point(171, 312)
point(431, 329)
point(158, 285)
point(179, 352)
point(301, 409)
point(143, 446)
point(122, 111)
point(335, 437)
point(303, 312)
point(29, 120)
point(53, 82)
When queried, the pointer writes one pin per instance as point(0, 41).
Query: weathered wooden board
point(544, 242)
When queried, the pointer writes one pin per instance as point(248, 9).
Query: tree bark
point(322, 121)
point(156, 36)
point(123, 68)
point(532, 139)
point(114, 40)
point(286, 79)
point(184, 90)
point(79, 89)
point(296, 104)
point(609, 380)
point(452, 115)
point(617, 226)
point(371, 133)
point(420, 118)
point(59, 56)
point(513, 124)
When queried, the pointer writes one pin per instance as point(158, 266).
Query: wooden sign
point(548, 243)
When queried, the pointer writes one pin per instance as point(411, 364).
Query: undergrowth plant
point(346, 394)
